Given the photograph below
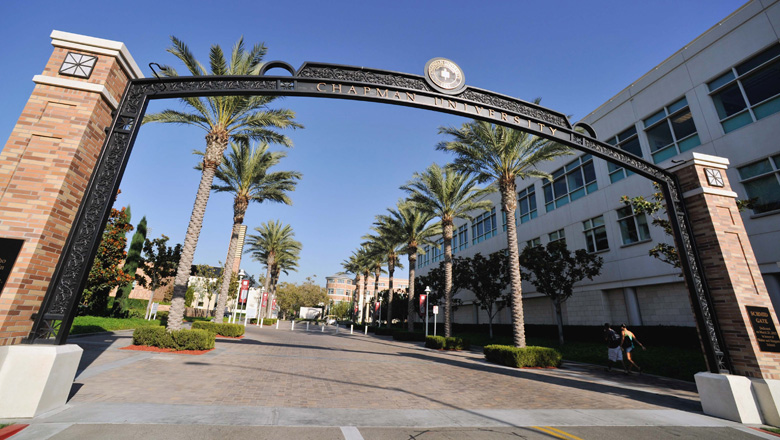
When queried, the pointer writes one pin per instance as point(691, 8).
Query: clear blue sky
point(354, 156)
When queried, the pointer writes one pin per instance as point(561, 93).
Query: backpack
point(613, 339)
point(628, 341)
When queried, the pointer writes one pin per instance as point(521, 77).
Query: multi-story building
point(719, 95)
point(341, 286)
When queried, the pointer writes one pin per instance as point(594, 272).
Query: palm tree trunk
point(176, 315)
point(364, 298)
point(227, 274)
point(377, 272)
point(390, 270)
point(267, 284)
point(447, 235)
point(410, 300)
point(509, 203)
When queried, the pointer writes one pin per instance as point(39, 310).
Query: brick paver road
point(282, 368)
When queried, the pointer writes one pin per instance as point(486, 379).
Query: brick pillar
point(732, 273)
point(48, 160)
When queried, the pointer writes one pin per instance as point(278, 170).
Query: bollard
point(323, 328)
point(307, 325)
point(261, 322)
point(337, 329)
point(277, 324)
point(293, 326)
point(351, 327)
point(365, 330)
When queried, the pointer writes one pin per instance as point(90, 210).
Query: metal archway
point(345, 82)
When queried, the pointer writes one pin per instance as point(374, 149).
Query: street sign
point(435, 310)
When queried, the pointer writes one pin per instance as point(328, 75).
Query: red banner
point(265, 299)
point(244, 293)
point(273, 304)
point(423, 303)
point(376, 306)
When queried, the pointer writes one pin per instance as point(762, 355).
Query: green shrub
point(222, 329)
point(523, 357)
point(408, 336)
point(177, 340)
point(435, 342)
point(442, 343)
point(163, 318)
point(383, 331)
point(266, 321)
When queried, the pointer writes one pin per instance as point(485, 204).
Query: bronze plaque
point(9, 250)
point(764, 328)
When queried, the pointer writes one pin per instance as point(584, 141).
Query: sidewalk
point(320, 382)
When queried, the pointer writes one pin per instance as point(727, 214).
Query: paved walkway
point(339, 382)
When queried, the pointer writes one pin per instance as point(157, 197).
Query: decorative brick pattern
point(730, 267)
point(44, 170)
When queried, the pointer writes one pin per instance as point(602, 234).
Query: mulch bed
point(231, 337)
point(163, 350)
point(10, 430)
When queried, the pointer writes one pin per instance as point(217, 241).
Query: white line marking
point(351, 433)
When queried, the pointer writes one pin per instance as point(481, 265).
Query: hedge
point(408, 336)
point(266, 321)
point(523, 357)
point(222, 329)
point(442, 343)
point(177, 339)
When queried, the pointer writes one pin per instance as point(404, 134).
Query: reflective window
point(534, 242)
point(483, 226)
point(633, 227)
point(671, 131)
point(627, 141)
point(526, 204)
point(557, 236)
point(595, 234)
point(570, 183)
point(749, 91)
point(762, 183)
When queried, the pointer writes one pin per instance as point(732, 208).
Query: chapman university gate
point(65, 158)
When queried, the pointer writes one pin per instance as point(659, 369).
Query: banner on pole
point(423, 304)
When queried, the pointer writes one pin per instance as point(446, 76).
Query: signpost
point(435, 312)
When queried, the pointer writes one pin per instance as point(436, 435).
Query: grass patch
point(93, 324)
point(774, 430)
point(655, 360)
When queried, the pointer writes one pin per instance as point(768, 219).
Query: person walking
point(627, 341)
point(614, 352)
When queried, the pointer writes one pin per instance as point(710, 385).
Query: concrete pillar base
point(728, 397)
point(36, 378)
point(767, 392)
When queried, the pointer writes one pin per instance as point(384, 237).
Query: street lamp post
point(427, 295)
point(236, 307)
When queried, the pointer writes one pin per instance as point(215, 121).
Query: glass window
point(557, 236)
point(570, 183)
point(534, 242)
point(633, 227)
point(762, 183)
point(595, 234)
point(749, 92)
point(526, 204)
point(483, 226)
point(340, 292)
point(438, 251)
point(627, 141)
point(460, 240)
point(671, 131)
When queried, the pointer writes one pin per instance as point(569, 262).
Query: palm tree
point(385, 242)
point(494, 153)
point(274, 241)
point(222, 117)
point(413, 226)
point(375, 262)
point(359, 263)
point(244, 172)
point(285, 261)
point(449, 195)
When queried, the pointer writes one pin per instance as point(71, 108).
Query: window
point(633, 227)
point(460, 239)
point(340, 292)
point(330, 291)
point(627, 141)
point(425, 258)
point(762, 182)
point(671, 131)
point(438, 251)
point(557, 236)
point(749, 91)
point(526, 204)
point(534, 242)
point(596, 234)
point(571, 182)
point(483, 226)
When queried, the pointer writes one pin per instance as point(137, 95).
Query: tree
point(132, 262)
point(340, 310)
point(222, 117)
point(159, 263)
point(209, 282)
point(436, 281)
point(488, 278)
point(502, 155)
point(383, 242)
point(106, 272)
point(359, 264)
point(414, 228)
point(274, 244)
point(449, 195)
point(554, 271)
point(245, 173)
point(291, 297)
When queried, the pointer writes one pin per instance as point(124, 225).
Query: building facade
point(719, 95)
point(341, 286)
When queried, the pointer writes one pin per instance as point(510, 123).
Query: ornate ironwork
point(70, 275)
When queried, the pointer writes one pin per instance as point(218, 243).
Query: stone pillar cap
point(699, 159)
point(98, 45)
